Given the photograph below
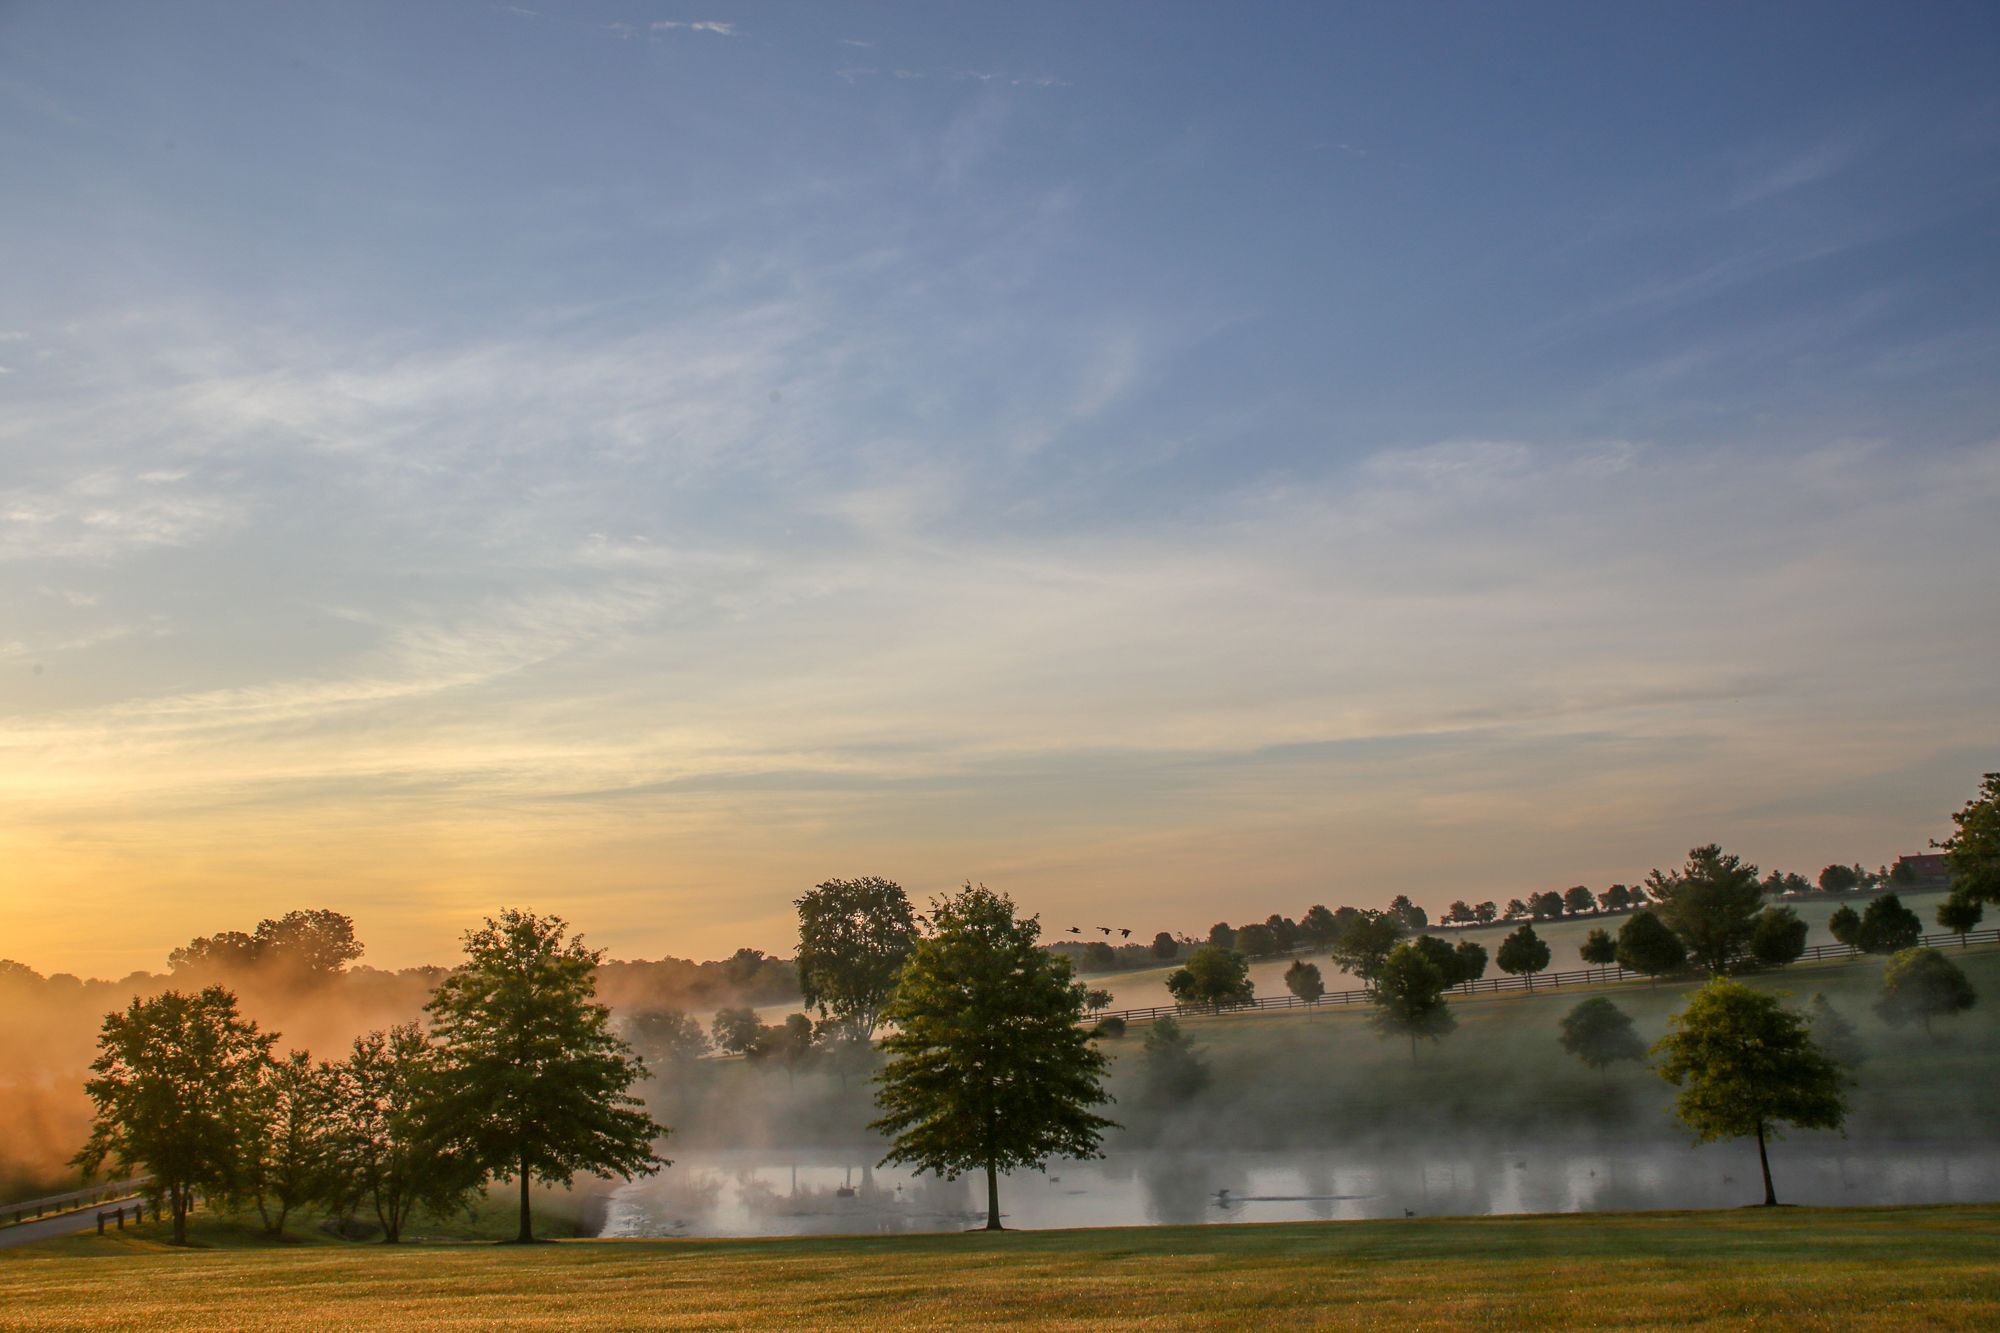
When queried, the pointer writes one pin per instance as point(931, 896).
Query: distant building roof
point(1926, 865)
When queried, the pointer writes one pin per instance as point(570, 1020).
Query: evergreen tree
point(990, 1067)
point(1711, 903)
point(1745, 1066)
point(538, 1083)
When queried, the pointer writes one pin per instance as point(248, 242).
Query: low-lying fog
point(765, 1193)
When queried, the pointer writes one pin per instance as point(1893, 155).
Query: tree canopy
point(176, 1091)
point(1364, 942)
point(1645, 945)
point(1888, 927)
point(1960, 913)
point(538, 1083)
point(1972, 854)
point(1212, 977)
point(1745, 1066)
point(1600, 1034)
point(990, 1066)
point(854, 936)
point(1408, 994)
point(1777, 937)
point(1523, 953)
point(1920, 985)
point(1303, 980)
point(1711, 903)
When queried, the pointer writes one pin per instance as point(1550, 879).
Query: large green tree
point(176, 1092)
point(990, 1067)
point(1746, 1065)
point(1972, 854)
point(1888, 927)
point(854, 937)
point(1408, 994)
point(1212, 977)
point(1920, 985)
point(1711, 903)
point(292, 1157)
point(538, 1083)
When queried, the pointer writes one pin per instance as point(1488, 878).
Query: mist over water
point(755, 1192)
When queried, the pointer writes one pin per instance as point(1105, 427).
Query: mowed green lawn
point(1856, 1269)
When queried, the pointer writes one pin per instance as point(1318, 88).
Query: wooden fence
point(29, 1209)
point(1585, 976)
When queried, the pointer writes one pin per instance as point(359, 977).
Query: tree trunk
point(1764, 1160)
point(527, 1236)
point(992, 1196)
point(179, 1197)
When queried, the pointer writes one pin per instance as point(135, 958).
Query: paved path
point(64, 1224)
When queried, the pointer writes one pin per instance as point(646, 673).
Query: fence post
point(100, 1224)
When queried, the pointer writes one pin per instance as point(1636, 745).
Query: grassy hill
point(1847, 1269)
point(1148, 986)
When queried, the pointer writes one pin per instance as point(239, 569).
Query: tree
point(666, 1038)
point(1711, 903)
point(1096, 1001)
point(537, 1082)
point(1646, 946)
point(1165, 948)
point(1889, 927)
point(1412, 916)
point(1408, 994)
point(1486, 913)
point(176, 1095)
point(1516, 909)
point(1833, 1033)
point(1173, 1070)
point(1284, 930)
point(1471, 957)
point(1100, 957)
point(1745, 1066)
point(1973, 853)
point(1523, 954)
point(1366, 942)
point(854, 936)
point(1303, 980)
point(1920, 985)
point(1222, 935)
point(1579, 900)
point(1547, 905)
point(292, 1152)
point(1600, 1034)
point(1839, 879)
point(1845, 926)
point(389, 1145)
point(1318, 927)
point(1616, 898)
point(1459, 912)
point(307, 948)
point(990, 1065)
point(1256, 940)
point(1778, 937)
point(1960, 913)
point(1598, 948)
point(736, 1029)
point(1212, 977)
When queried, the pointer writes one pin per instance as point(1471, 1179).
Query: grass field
point(1848, 1269)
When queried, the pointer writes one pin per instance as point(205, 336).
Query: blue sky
point(1178, 461)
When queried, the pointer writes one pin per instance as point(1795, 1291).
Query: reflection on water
point(764, 1193)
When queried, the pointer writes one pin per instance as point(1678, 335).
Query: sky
point(1168, 462)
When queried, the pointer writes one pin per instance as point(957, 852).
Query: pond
point(764, 1193)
